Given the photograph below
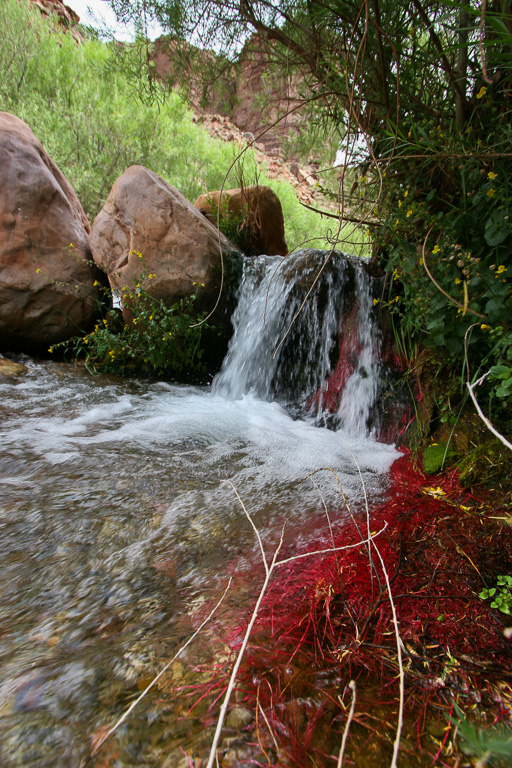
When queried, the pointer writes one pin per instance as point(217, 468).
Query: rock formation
point(257, 213)
point(49, 288)
point(148, 226)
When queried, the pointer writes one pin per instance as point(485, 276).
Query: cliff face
point(65, 15)
point(244, 92)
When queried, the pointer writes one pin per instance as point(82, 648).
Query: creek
point(118, 526)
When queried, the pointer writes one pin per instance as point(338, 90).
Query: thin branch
point(352, 686)
point(486, 421)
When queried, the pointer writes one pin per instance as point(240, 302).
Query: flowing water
point(119, 525)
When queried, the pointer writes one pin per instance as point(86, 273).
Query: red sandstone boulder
point(49, 287)
point(148, 225)
point(257, 213)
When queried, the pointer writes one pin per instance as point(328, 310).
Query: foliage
point(502, 595)
point(419, 94)
point(489, 745)
point(96, 111)
point(156, 338)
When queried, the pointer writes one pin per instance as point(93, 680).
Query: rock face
point(148, 225)
point(257, 213)
point(49, 287)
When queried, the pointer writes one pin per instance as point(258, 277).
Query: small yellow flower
point(139, 254)
point(409, 213)
point(151, 317)
point(399, 203)
point(490, 192)
point(95, 283)
point(406, 193)
point(104, 322)
point(194, 283)
point(436, 249)
point(38, 270)
point(485, 327)
point(481, 93)
point(491, 175)
point(50, 349)
point(71, 245)
point(457, 280)
point(375, 302)
point(203, 285)
point(135, 321)
point(500, 270)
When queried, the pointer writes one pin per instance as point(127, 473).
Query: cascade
point(307, 336)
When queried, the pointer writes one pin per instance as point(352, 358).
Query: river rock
point(49, 288)
point(255, 211)
point(11, 369)
point(147, 227)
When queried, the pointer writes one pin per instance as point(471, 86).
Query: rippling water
point(116, 523)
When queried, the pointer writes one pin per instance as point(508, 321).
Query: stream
point(119, 526)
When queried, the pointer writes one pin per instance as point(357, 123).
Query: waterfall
point(306, 336)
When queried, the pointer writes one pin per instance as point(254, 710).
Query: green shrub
point(158, 339)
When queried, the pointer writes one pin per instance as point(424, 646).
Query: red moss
point(328, 619)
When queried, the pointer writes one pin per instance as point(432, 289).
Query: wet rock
point(239, 717)
point(255, 212)
point(49, 287)
point(11, 369)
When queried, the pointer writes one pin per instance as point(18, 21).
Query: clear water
point(118, 527)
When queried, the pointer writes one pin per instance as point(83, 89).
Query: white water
point(282, 350)
point(101, 480)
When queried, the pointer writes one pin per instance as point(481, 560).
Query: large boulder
point(254, 211)
point(49, 288)
point(148, 226)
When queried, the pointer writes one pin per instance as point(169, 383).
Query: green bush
point(157, 339)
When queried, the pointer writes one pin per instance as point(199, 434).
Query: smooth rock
point(262, 223)
point(11, 369)
point(148, 225)
point(49, 288)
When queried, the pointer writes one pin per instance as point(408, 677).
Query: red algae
point(327, 620)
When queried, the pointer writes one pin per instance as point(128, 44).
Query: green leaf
point(497, 228)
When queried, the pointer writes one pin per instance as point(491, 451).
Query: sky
point(93, 12)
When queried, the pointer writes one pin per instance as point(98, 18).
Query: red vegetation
point(327, 620)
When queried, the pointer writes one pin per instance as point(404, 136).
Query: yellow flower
point(151, 317)
point(203, 285)
point(490, 192)
point(95, 283)
point(409, 213)
point(491, 176)
point(38, 270)
point(485, 327)
point(457, 280)
point(436, 249)
point(71, 245)
point(375, 302)
point(406, 193)
point(50, 349)
point(194, 283)
point(399, 203)
point(481, 93)
point(135, 321)
point(500, 270)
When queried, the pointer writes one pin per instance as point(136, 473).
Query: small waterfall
point(306, 336)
